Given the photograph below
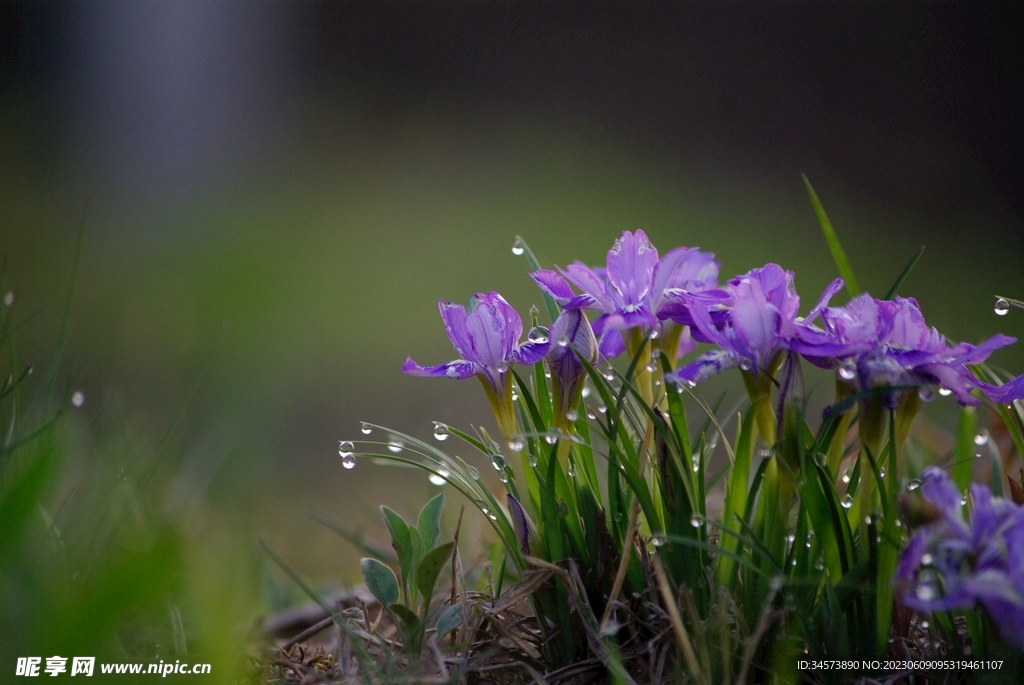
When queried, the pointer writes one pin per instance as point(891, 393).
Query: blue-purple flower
point(953, 563)
point(486, 337)
point(635, 290)
point(571, 333)
point(880, 343)
point(758, 321)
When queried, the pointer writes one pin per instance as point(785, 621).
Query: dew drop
point(516, 444)
point(395, 446)
point(591, 415)
point(881, 472)
point(945, 392)
point(345, 446)
point(746, 365)
point(531, 458)
point(848, 370)
point(981, 438)
point(820, 459)
point(572, 415)
point(925, 625)
point(517, 248)
point(563, 509)
point(658, 540)
point(563, 341)
point(547, 373)
point(847, 501)
point(8, 298)
point(366, 429)
point(485, 511)
point(502, 477)
point(913, 485)
point(571, 471)
point(440, 431)
point(473, 473)
point(436, 479)
point(927, 559)
point(601, 409)
point(653, 335)
point(538, 334)
point(819, 565)
point(348, 460)
point(963, 500)
point(609, 374)
point(498, 462)
point(846, 478)
point(77, 398)
point(586, 391)
point(1002, 306)
point(696, 520)
point(651, 368)
point(790, 537)
point(503, 367)
point(926, 393)
point(551, 437)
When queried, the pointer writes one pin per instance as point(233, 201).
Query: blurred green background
point(284, 191)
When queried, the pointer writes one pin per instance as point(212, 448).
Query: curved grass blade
point(903, 274)
point(838, 254)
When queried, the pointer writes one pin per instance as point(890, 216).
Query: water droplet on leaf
point(77, 398)
point(926, 393)
point(366, 429)
point(473, 473)
point(847, 501)
point(848, 370)
point(517, 248)
point(572, 415)
point(696, 520)
point(1002, 306)
point(945, 392)
point(440, 431)
point(981, 438)
point(498, 462)
point(913, 485)
point(435, 479)
point(516, 444)
point(348, 460)
point(346, 446)
point(395, 446)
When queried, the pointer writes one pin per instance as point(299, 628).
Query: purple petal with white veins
point(623, 319)
point(834, 287)
point(590, 283)
point(758, 326)
point(698, 272)
point(664, 271)
point(611, 344)
point(459, 369)
point(705, 366)
point(631, 263)
point(454, 317)
point(529, 353)
point(554, 285)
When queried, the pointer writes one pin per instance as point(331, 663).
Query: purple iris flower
point(953, 563)
point(758, 322)
point(571, 331)
point(486, 336)
point(636, 290)
point(882, 343)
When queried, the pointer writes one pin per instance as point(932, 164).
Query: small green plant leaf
point(380, 580)
point(401, 540)
point(838, 254)
point(449, 620)
point(429, 569)
point(409, 625)
point(429, 523)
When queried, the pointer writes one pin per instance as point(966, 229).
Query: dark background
point(318, 175)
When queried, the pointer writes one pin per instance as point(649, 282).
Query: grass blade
point(903, 274)
point(838, 255)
